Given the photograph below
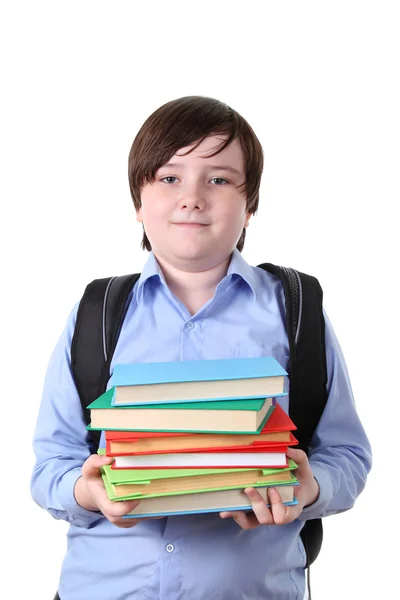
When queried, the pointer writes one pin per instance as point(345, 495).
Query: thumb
point(91, 467)
point(299, 457)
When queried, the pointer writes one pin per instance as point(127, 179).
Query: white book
point(203, 460)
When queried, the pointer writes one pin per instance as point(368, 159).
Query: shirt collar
point(151, 271)
point(238, 266)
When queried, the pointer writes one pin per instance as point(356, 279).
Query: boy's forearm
point(341, 475)
point(54, 491)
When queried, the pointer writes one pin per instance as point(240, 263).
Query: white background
point(319, 83)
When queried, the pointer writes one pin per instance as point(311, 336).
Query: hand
point(90, 493)
point(278, 513)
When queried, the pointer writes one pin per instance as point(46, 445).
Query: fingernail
point(251, 493)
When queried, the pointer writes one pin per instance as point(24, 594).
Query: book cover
point(217, 445)
point(202, 460)
point(217, 501)
point(235, 416)
point(279, 421)
point(146, 475)
point(196, 370)
point(197, 380)
point(195, 485)
point(105, 402)
point(276, 431)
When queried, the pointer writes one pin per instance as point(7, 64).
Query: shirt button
point(190, 325)
point(170, 548)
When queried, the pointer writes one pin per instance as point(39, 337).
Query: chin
point(207, 258)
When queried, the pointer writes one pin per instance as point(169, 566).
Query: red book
point(275, 436)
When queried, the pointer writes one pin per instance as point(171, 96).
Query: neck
point(193, 288)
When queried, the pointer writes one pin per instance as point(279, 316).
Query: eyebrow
point(214, 167)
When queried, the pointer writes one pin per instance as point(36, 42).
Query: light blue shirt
point(192, 557)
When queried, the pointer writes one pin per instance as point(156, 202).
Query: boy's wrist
point(314, 494)
point(82, 496)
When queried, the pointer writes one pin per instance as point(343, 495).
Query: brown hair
point(185, 122)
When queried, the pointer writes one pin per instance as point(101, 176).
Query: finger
point(278, 510)
point(115, 510)
point(243, 519)
point(131, 522)
point(124, 523)
point(91, 467)
point(259, 506)
point(151, 518)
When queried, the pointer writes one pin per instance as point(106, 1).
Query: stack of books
point(190, 436)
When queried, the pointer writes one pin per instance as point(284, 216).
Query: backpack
point(101, 313)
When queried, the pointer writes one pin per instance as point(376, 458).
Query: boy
point(194, 173)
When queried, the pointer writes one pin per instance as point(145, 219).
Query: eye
point(219, 181)
point(168, 179)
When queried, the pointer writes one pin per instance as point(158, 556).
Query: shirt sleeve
point(60, 440)
point(340, 453)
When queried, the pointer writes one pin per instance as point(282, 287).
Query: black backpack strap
point(307, 369)
point(100, 315)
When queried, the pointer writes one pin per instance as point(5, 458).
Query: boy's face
point(193, 213)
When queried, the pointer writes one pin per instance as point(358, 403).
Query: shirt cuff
point(326, 493)
point(76, 514)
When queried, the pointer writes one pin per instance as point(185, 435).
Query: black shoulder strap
point(307, 369)
point(305, 328)
point(100, 315)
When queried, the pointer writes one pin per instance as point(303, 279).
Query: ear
point(139, 217)
point(247, 219)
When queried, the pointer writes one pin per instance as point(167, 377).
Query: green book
point(198, 484)
point(105, 401)
point(214, 416)
point(143, 476)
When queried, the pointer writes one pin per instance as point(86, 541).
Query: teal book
point(225, 416)
point(197, 381)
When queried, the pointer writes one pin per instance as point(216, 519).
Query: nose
point(192, 198)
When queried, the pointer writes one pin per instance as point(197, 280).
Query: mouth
point(191, 225)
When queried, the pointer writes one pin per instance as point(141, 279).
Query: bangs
point(178, 124)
